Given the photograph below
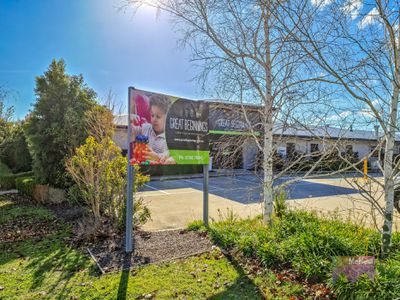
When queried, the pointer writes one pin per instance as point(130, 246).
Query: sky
point(111, 48)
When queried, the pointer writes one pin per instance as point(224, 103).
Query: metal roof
point(121, 120)
point(316, 131)
point(327, 132)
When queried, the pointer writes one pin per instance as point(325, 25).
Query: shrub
point(26, 185)
point(99, 170)
point(141, 214)
point(7, 182)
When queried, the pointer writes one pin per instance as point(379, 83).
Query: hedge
point(26, 185)
point(7, 182)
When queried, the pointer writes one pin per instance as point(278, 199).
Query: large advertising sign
point(167, 130)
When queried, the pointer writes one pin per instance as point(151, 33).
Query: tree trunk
point(389, 174)
point(268, 192)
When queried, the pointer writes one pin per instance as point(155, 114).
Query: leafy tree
point(56, 125)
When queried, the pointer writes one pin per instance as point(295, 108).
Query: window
point(314, 148)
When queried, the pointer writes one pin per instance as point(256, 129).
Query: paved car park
point(247, 189)
point(175, 203)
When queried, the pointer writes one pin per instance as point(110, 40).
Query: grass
point(299, 242)
point(47, 268)
point(9, 211)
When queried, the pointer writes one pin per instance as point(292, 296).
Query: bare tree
point(100, 119)
point(355, 44)
point(246, 53)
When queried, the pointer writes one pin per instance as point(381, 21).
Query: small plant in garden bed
point(197, 225)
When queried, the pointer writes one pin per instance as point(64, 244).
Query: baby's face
point(157, 119)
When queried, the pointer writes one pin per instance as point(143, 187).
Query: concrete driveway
point(175, 203)
point(247, 189)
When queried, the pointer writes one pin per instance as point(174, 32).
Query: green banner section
point(190, 157)
point(233, 132)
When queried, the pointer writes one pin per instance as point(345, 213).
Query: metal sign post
point(129, 210)
point(129, 192)
point(205, 195)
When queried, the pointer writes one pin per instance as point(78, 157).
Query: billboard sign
point(167, 130)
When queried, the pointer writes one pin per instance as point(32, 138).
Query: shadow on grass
point(52, 264)
point(242, 288)
point(47, 259)
point(124, 279)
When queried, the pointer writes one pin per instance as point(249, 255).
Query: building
point(232, 146)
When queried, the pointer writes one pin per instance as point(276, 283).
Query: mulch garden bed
point(64, 211)
point(25, 228)
point(284, 274)
point(108, 248)
point(149, 247)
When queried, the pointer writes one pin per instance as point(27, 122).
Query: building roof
point(328, 132)
point(121, 121)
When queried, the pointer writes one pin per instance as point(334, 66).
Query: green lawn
point(47, 268)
